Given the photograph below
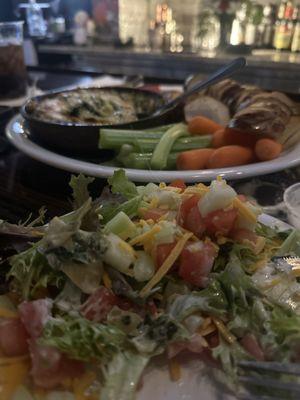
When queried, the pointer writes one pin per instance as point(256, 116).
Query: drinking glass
point(13, 75)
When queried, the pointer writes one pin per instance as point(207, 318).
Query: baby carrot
point(202, 126)
point(228, 136)
point(193, 159)
point(241, 138)
point(218, 139)
point(230, 156)
point(267, 149)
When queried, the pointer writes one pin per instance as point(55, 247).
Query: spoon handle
point(224, 72)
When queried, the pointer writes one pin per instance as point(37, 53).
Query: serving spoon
point(224, 72)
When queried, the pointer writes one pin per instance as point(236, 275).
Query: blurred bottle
point(295, 46)
point(267, 27)
point(237, 35)
point(284, 26)
point(226, 17)
point(209, 30)
point(35, 20)
point(252, 26)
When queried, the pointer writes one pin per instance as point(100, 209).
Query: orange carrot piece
point(267, 149)
point(241, 138)
point(193, 159)
point(230, 156)
point(218, 139)
point(202, 126)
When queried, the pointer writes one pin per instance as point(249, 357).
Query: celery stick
point(162, 150)
point(115, 138)
point(143, 161)
point(182, 144)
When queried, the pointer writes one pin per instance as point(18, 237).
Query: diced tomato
point(186, 206)
point(242, 197)
point(34, 315)
point(244, 235)
point(162, 252)
point(153, 213)
point(151, 306)
point(213, 339)
point(221, 222)
point(196, 262)
point(189, 216)
point(13, 337)
point(251, 345)
point(124, 304)
point(178, 183)
point(99, 304)
point(50, 367)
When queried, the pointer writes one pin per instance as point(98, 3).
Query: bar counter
point(270, 69)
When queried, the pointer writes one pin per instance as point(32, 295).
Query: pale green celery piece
point(143, 161)
point(148, 189)
point(122, 376)
point(125, 151)
point(121, 225)
point(162, 150)
point(119, 254)
point(144, 267)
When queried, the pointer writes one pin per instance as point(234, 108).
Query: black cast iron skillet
point(83, 138)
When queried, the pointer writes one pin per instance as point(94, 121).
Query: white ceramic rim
point(16, 135)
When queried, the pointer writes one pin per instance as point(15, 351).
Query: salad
point(139, 274)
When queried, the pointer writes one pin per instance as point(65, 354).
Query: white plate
point(17, 135)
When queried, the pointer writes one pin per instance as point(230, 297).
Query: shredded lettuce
point(122, 375)
point(131, 201)
point(79, 185)
point(211, 300)
point(291, 245)
point(31, 271)
point(120, 184)
point(82, 339)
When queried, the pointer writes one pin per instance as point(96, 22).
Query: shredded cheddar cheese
point(228, 336)
point(198, 189)
point(244, 211)
point(174, 370)
point(12, 375)
point(106, 280)
point(82, 384)
point(145, 236)
point(6, 313)
point(166, 266)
